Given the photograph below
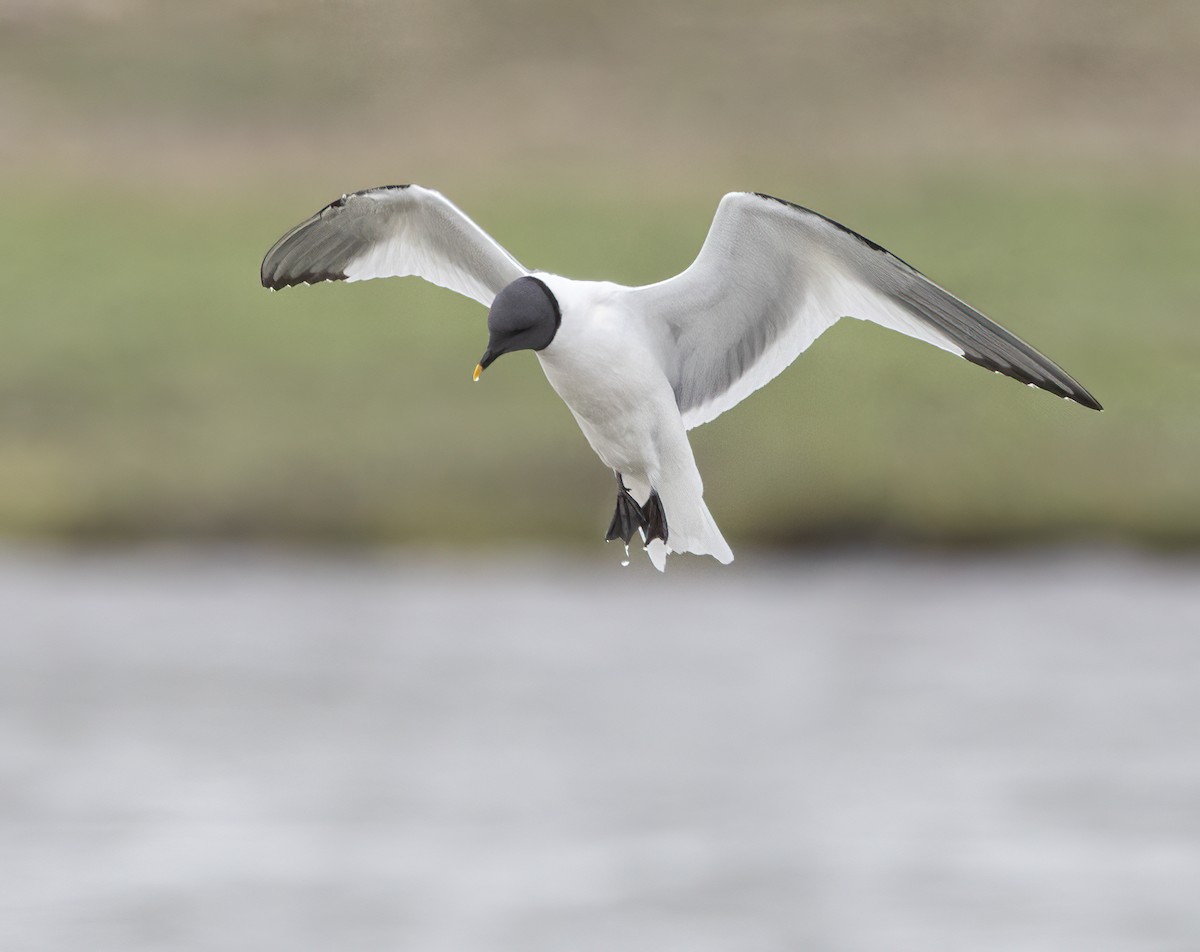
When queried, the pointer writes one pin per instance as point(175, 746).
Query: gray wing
point(773, 276)
point(393, 231)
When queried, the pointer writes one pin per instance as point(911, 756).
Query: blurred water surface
point(231, 749)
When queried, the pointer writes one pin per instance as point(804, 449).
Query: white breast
point(602, 364)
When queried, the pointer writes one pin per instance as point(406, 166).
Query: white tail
point(690, 528)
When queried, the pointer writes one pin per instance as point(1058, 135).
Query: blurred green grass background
point(1039, 163)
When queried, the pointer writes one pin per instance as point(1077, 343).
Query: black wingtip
point(1065, 387)
point(270, 272)
point(277, 282)
point(1085, 399)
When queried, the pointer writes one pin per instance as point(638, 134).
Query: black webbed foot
point(627, 518)
point(656, 519)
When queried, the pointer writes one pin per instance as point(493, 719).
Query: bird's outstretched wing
point(392, 231)
point(772, 276)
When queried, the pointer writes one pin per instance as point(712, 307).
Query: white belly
point(623, 405)
point(604, 364)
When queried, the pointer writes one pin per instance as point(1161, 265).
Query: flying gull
point(640, 366)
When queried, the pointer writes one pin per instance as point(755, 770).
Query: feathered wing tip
point(698, 534)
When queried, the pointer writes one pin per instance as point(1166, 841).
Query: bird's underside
point(769, 279)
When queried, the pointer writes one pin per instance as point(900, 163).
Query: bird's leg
point(627, 518)
point(656, 519)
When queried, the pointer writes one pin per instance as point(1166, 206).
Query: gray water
point(233, 750)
